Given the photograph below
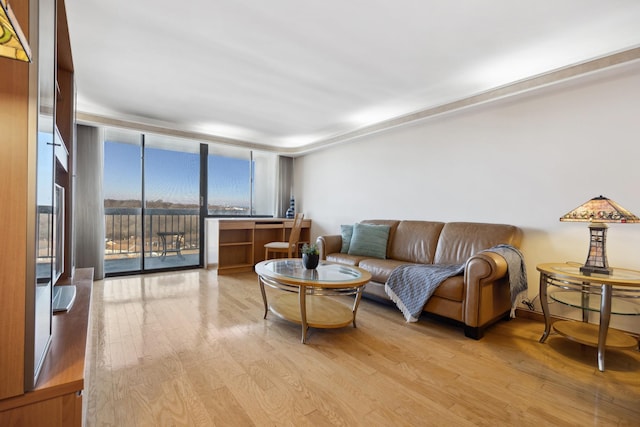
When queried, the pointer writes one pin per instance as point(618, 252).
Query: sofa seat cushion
point(451, 289)
point(345, 258)
point(380, 269)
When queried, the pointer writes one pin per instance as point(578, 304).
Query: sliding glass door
point(152, 194)
point(171, 195)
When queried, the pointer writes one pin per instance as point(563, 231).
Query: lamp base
point(588, 270)
point(597, 256)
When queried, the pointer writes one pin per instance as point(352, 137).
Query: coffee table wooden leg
point(264, 297)
point(356, 303)
point(303, 312)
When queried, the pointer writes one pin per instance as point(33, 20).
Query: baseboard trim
point(533, 315)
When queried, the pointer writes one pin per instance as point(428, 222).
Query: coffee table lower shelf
point(587, 334)
point(322, 312)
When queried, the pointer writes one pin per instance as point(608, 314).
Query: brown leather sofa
point(476, 300)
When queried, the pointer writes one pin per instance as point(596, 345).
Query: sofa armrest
point(483, 301)
point(328, 245)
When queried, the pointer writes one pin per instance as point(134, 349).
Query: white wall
point(525, 160)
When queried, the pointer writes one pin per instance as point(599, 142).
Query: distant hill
point(153, 204)
point(160, 204)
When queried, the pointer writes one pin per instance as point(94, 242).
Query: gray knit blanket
point(517, 273)
point(410, 286)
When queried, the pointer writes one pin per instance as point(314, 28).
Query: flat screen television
point(58, 232)
point(63, 296)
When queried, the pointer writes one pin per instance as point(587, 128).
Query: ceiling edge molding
point(95, 119)
point(511, 89)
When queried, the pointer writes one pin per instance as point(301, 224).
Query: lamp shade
point(600, 209)
point(13, 43)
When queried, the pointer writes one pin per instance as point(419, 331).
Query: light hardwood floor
point(192, 348)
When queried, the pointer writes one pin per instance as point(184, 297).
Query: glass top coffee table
point(304, 298)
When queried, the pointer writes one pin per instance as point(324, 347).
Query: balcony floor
point(171, 260)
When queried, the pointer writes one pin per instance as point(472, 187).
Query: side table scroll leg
point(605, 316)
point(545, 307)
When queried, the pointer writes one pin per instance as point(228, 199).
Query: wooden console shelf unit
point(57, 399)
point(37, 118)
point(237, 244)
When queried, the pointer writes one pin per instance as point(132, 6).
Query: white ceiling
point(285, 74)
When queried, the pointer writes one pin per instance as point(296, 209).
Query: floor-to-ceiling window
point(229, 186)
point(122, 201)
point(158, 189)
point(240, 182)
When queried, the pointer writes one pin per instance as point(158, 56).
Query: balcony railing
point(124, 237)
point(45, 233)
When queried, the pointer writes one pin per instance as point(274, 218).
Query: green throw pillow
point(369, 240)
point(346, 231)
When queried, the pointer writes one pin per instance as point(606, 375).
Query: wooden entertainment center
point(57, 398)
point(42, 356)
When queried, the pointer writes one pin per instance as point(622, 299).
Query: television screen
point(58, 232)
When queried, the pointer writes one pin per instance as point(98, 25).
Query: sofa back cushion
point(460, 240)
point(415, 241)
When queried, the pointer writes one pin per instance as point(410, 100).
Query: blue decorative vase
point(291, 212)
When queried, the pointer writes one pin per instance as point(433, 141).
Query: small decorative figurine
point(291, 212)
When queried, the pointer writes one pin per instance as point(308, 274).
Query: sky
point(172, 176)
point(45, 169)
